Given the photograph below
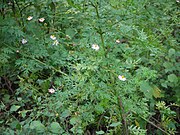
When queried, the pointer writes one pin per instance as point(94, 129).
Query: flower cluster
point(40, 19)
point(54, 39)
point(55, 43)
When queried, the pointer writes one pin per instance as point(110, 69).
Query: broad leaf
point(14, 108)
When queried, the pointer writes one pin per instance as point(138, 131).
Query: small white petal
point(118, 41)
point(51, 91)
point(53, 37)
point(122, 78)
point(95, 47)
point(29, 18)
point(24, 41)
point(55, 42)
point(41, 19)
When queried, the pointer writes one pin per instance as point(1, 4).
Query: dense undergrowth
point(89, 67)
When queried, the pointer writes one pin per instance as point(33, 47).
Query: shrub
point(89, 67)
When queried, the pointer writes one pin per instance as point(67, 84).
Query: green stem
point(99, 31)
point(123, 116)
point(97, 12)
point(102, 41)
point(22, 22)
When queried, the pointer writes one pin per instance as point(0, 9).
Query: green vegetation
point(86, 67)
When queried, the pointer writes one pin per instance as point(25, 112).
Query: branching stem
point(123, 116)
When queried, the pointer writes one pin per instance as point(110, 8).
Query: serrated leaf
point(14, 108)
point(115, 124)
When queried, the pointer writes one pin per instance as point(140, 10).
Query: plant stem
point(100, 32)
point(152, 124)
point(102, 41)
point(22, 22)
point(97, 12)
point(123, 116)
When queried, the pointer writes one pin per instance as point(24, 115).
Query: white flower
point(10, 3)
point(177, 1)
point(29, 18)
point(118, 41)
point(68, 37)
point(53, 37)
point(95, 47)
point(55, 42)
point(122, 78)
point(41, 19)
point(51, 91)
point(24, 41)
point(17, 51)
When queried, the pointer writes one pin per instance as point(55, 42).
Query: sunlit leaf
point(14, 108)
point(100, 132)
point(115, 124)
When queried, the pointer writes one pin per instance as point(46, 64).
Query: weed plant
point(86, 67)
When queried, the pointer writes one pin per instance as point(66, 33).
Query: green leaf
point(71, 32)
point(99, 109)
point(156, 92)
point(23, 113)
point(14, 124)
point(114, 3)
point(14, 108)
point(65, 114)
point(100, 132)
point(172, 78)
point(171, 52)
point(146, 89)
point(55, 128)
point(74, 120)
point(115, 124)
point(169, 66)
point(38, 126)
